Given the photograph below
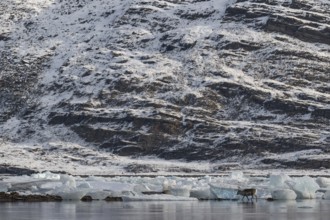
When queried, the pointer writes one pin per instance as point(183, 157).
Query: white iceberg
point(224, 191)
point(148, 188)
point(284, 194)
point(323, 182)
point(237, 175)
point(46, 175)
point(73, 194)
point(164, 197)
point(168, 183)
point(305, 187)
point(113, 186)
point(69, 189)
point(152, 188)
point(100, 195)
point(68, 180)
point(203, 193)
point(182, 191)
point(84, 185)
point(4, 186)
point(279, 181)
point(70, 193)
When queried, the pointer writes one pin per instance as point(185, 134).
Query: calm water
point(228, 210)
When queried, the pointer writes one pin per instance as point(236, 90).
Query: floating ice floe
point(71, 194)
point(164, 197)
point(46, 175)
point(179, 191)
point(279, 181)
point(323, 182)
point(305, 187)
point(284, 194)
point(224, 191)
point(238, 176)
point(100, 195)
point(161, 188)
point(4, 187)
point(203, 193)
point(148, 188)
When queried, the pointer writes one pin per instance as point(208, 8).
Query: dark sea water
point(208, 210)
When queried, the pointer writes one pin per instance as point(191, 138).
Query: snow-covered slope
point(243, 81)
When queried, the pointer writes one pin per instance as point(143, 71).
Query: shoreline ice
point(168, 188)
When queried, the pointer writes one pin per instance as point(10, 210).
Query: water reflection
point(208, 210)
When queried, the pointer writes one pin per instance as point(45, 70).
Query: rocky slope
point(243, 81)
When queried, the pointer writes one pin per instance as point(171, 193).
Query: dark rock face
point(16, 197)
point(6, 169)
point(18, 77)
point(298, 19)
point(176, 79)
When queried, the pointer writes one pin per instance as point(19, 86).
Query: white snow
point(65, 36)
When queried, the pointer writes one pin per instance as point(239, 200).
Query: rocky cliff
point(220, 80)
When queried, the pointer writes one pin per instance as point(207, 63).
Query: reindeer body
point(247, 192)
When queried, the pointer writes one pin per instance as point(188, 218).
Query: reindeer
point(247, 192)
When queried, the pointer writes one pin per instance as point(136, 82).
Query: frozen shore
point(49, 186)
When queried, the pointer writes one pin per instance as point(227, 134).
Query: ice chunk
point(168, 183)
point(26, 186)
point(112, 186)
point(237, 175)
point(224, 191)
point(85, 185)
point(67, 180)
point(69, 192)
point(183, 191)
point(284, 194)
point(46, 175)
point(202, 193)
point(99, 195)
point(323, 182)
point(163, 197)
point(48, 187)
point(73, 194)
point(279, 181)
point(140, 188)
point(305, 187)
point(128, 193)
point(4, 186)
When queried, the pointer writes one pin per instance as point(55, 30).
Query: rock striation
point(234, 81)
